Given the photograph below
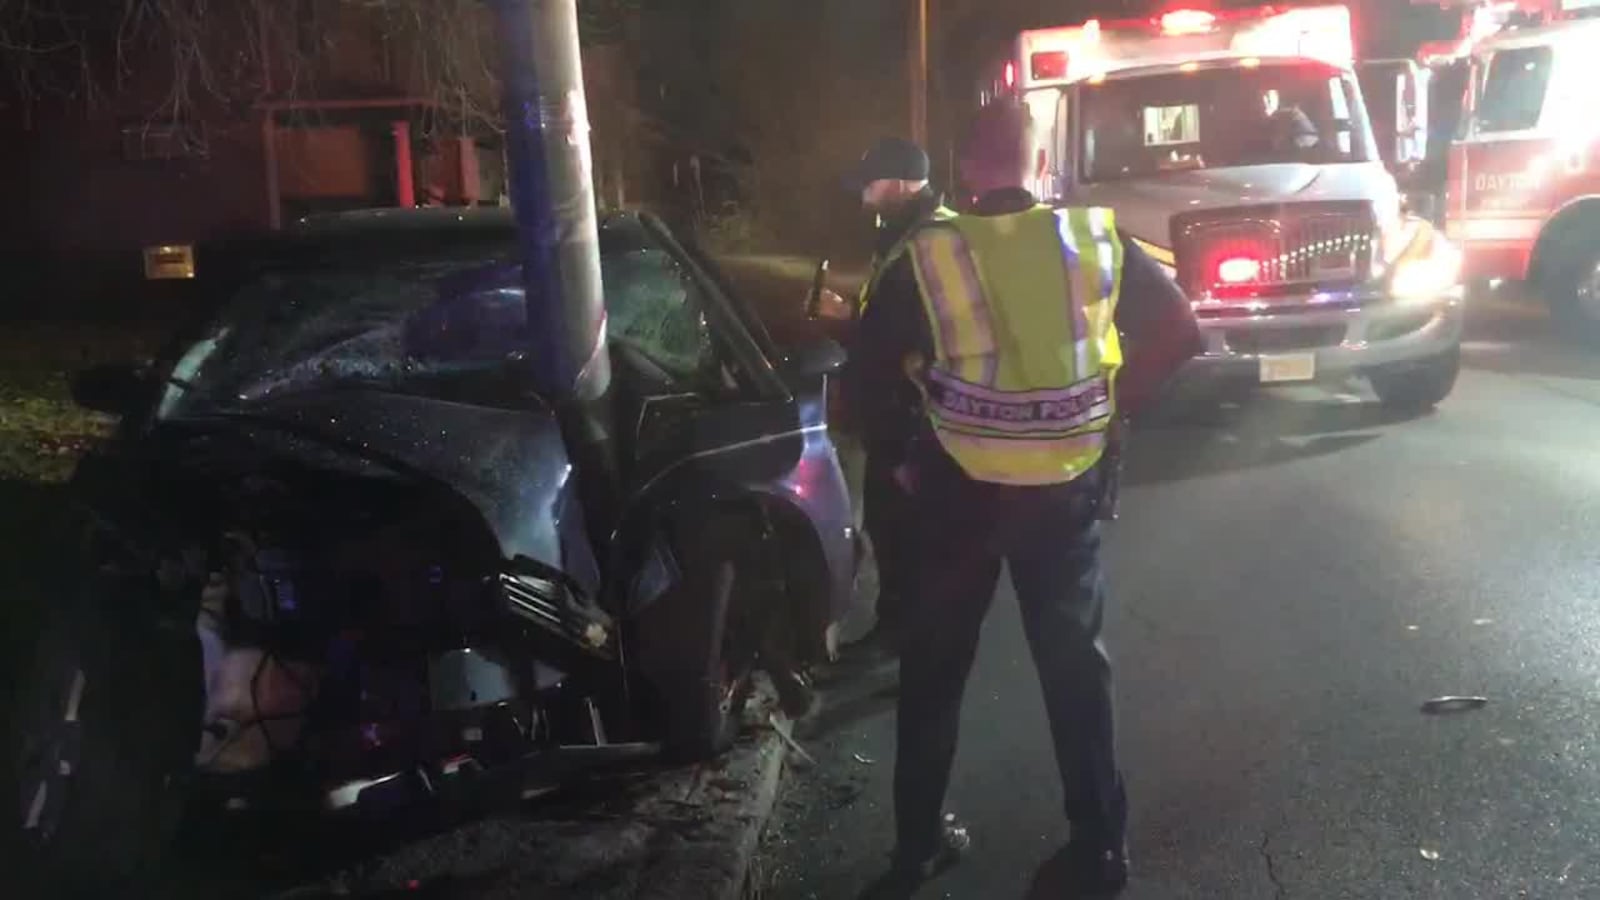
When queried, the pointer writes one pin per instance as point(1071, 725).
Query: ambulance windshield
point(1143, 125)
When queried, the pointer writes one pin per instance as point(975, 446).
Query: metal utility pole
point(919, 71)
point(552, 194)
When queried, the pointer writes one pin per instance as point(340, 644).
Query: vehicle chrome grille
point(548, 604)
point(1286, 245)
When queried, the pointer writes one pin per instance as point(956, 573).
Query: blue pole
point(552, 194)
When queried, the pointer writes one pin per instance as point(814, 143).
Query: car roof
point(395, 231)
point(410, 220)
point(403, 219)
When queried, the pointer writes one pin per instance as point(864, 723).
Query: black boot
point(881, 643)
point(1083, 869)
point(907, 873)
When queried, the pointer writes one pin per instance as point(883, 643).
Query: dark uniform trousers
point(1050, 539)
point(884, 516)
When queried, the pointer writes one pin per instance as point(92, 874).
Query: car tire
point(1418, 389)
point(695, 646)
point(94, 758)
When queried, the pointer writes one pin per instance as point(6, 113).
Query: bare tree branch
point(238, 51)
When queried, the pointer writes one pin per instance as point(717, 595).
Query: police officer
point(1029, 332)
point(892, 180)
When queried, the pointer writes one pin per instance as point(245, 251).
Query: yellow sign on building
point(169, 261)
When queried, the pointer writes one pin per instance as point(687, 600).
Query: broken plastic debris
point(1429, 855)
point(785, 730)
point(864, 760)
point(1483, 621)
point(1445, 705)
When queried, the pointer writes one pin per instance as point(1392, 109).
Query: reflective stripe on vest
point(881, 264)
point(1023, 313)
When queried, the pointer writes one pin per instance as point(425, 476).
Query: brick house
point(92, 186)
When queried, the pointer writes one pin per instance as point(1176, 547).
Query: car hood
point(511, 465)
point(1145, 206)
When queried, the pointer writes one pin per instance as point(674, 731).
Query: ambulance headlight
point(1429, 277)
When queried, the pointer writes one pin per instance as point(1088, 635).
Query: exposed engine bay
point(353, 622)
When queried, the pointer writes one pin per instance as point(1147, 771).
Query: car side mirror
point(112, 388)
point(813, 358)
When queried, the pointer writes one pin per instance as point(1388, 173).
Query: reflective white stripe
point(955, 305)
point(988, 349)
point(1516, 228)
point(1098, 226)
point(1079, 312)
point(1036, 414)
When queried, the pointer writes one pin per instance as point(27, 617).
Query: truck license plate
point(1288, 367)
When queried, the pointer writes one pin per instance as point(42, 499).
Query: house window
point(163, 140)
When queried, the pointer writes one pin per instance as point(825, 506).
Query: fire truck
point(1235, 148)
point(1523, 191)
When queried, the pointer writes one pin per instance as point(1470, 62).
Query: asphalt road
point(1291, 580)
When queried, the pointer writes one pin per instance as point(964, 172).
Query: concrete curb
point(679, 833)
point(716, 865)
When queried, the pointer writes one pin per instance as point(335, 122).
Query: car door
point(709, 410)
point(697, 393)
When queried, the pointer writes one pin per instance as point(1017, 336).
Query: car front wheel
point(695, 644)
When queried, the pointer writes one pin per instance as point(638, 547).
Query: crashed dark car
point(340, 555)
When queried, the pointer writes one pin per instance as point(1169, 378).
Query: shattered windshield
point(402, 315)
point(1218, 118)
point(291, 328)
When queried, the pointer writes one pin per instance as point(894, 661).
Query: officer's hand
point(832, 306)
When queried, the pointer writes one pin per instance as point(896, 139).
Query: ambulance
point(1523, 189)
point(1235, 148)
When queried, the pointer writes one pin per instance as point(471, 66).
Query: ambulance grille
point(1288, 246)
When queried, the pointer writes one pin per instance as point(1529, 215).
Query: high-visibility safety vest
point(881, 264)
point(1022, 308)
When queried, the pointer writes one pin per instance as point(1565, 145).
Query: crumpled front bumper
point(1348, 336)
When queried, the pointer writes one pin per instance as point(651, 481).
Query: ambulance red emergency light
point(1063, 55)
point(1523, 189)
point(1235, 147)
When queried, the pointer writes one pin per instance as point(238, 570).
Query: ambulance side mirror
point(1413, 104)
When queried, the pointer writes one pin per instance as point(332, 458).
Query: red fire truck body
point(1523, 192)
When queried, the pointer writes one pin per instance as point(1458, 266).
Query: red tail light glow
point(1048, 65)
point(1188, 21)
point(1238, 270)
